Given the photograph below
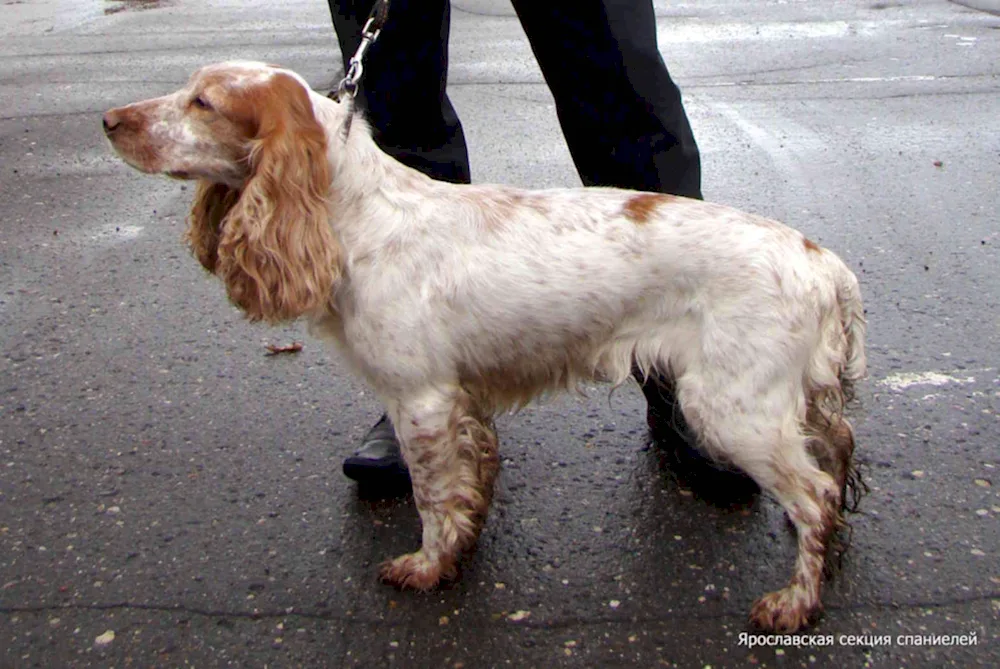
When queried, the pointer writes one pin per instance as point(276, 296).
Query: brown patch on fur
point(275, 250)
point(131, 137)
point(831, 443)
point(536, 204)
point(640, 207)
point(211, 204)
point(798, 604)
point(811, 245)
point(474, 435)
point(497, 208)
point(453, 472)
point(499, 205)
point(414, 571)
point(505, 387)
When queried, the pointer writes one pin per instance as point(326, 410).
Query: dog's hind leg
point(812, 501)
point(451, 452)
point(761, 433)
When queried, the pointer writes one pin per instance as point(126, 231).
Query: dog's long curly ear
point(277, 254)
point(212, 202)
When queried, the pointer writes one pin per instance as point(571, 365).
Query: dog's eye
point(201, 103)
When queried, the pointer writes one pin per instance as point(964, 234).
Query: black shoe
point(720, 483)
point(379, 461)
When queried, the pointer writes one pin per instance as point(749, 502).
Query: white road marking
point(905, 380)
point(669, 32)
point(116, 232)
point(833, 80)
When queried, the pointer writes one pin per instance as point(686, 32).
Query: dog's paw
point(787, 610)
point(414, 571)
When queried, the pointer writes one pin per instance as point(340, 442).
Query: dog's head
point(248, 133)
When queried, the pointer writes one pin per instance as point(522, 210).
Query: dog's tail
point(835, 368)
point(852, 315)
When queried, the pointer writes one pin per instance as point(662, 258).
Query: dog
point(460, 302)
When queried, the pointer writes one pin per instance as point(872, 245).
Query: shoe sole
point(375, 471)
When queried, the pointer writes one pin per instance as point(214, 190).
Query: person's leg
point(403, 95)
point(620, 111)
point(403, 88)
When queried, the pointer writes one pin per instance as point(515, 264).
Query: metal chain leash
point(348, 86)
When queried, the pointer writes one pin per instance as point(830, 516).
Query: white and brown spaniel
point(459, 302)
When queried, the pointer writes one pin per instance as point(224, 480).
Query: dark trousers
point(620, 111)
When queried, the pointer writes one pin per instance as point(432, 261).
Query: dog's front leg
point(451, 451)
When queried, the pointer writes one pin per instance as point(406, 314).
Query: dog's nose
point(112, 120)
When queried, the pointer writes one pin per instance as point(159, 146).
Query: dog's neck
point(366, 179)
point(360, 169)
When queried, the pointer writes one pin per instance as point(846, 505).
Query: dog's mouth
point(180, 174)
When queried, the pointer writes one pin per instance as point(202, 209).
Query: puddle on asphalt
point(115, 6)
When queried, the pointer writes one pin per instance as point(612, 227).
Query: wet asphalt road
point(164, 480)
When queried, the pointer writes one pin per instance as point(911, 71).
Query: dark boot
point(379, 462)
point(676, 443)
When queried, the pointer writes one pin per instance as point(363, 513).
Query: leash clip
point(349, 85)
